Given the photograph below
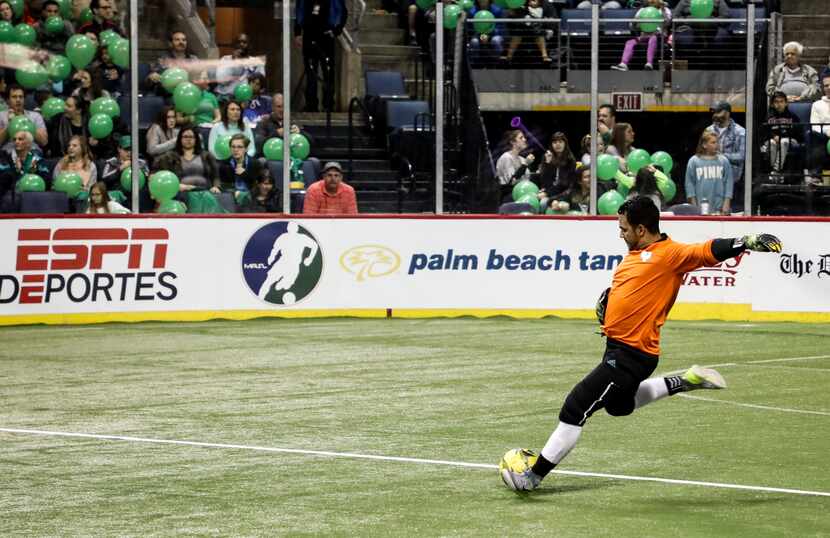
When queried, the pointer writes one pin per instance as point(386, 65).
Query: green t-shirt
point(209, 103)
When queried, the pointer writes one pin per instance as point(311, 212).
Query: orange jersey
point(644, 288)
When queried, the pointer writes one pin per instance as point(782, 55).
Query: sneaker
point(649, 67)
point(619, 67)
point(526, 481)
point(810, 180)
point(697, 377)
point(412, 40)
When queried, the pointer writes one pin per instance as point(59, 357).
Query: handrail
point(359, 102)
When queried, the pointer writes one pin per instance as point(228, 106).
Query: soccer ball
point(517, 460)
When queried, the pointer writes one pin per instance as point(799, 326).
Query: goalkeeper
point(631, 313)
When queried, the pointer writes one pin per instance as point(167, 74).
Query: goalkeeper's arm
point(723, 249)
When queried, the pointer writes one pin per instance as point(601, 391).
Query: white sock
point(649, 391)
point(561, 441)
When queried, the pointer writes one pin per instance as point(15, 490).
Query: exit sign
point(628, 102)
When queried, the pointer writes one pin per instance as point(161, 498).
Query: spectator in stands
point(259, 106)
point(700, 35)
point(606, 120)
point(78, 159)
point(605, 4)
point(7, 12)
point(17, 97)
point(731, 137)
point(317, 25)
point(111, 74)
point(511, 167)
point(177, 53)
point(824, 73)
point(651, 38)
point(209, 113)
point(622, 143)
point(265, 196)
point(90, 86)
point(163, 133)
point(232, 123)
point(53, 42)
point(798, 81)
point(820, 120)
point(198, 169)
point(73, 122)
point(236, 68)
point(585, 144)
point(780, 134)
point(556, 169)
point(709, 180)
point(330, 195)
point(645, 184)
point(100, 203)
point(271, 126)
point(240, 172)
point(533, 10)
point(490, 46)
point(103, 18)
point(578, 195)
point(24, 158)
point(114, 166)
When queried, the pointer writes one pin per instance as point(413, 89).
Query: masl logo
point(722, 275)
point(370, 261)
point(77, 263)
point(282, 263)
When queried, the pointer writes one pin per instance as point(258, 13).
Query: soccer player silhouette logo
point(282, 263)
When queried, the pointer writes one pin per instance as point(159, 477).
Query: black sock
point(674, 384)
point(542, 466)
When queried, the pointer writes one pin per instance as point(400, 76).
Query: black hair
point(197, 139)
point(641, 210)
point(610, 107)
point(645, 182)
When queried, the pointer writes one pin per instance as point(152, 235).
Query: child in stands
point(646, 37)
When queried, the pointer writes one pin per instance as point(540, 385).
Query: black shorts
point(612, 385)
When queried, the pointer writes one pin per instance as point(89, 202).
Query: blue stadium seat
point(610, 26)
point(516, 208)
point(572, 28)
point(739, 28)
point(311, 170)
point(44, 202)
point(385, 84)
point(227, 201)
point(149, 107)
point(403, 113)
point(143, 72)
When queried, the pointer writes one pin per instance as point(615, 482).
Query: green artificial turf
point(461, 390)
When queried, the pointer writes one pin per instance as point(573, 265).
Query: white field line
point(790, 359)
point(754, 406)
point(405, 460)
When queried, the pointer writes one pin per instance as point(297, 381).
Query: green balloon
point(609, 203)
point(466, 5)
point(701, 9)
point(637, 159)
point(127, 179)
point(52, 107)
point(31, 183)
point(25, 34)
point(222, 147)
point(100, 126)
point(17, 8)
point(607, 167)
point(58, 67)
point(31, 75)
point(299, 146)
point(623, 188)
point(20, 123)
point(120, 53)
point(172, 207)
point(68, 182)
point(6, 32)
point(425, 4)
point(164, 185)
point(531, 199)
point(186, 97)
point(649, 14)
point(54, 25)
point(243, 92)
point(663, 160)
point(514, 4)
point(273, 149)
point(668, 189)
point(524, 187)
point(108, 37)
point(86, 15)
point(172, 77)
point(451, 13)
point(65, 7)
point(501, 3)
point(105, 105)
point(483, 23)
point(828, 147)
point(80, 50)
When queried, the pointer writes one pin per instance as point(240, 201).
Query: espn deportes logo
point(89, 265)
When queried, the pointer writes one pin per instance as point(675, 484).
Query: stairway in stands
point(810, 27)
point(373, 177)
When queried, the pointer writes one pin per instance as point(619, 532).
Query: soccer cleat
point(524, 481)
point(649, 67)
point(697, 377)
point(620, 67)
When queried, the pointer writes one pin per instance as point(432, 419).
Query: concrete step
point(375, 21)
point(390, 63)
point(393, 36)
point(400, 51)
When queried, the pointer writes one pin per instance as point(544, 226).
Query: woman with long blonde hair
point(78, 159)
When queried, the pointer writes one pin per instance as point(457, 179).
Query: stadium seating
point(44, 202)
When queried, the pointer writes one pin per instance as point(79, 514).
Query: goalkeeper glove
point(762, 243)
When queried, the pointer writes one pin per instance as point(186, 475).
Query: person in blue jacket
point(317, 25)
